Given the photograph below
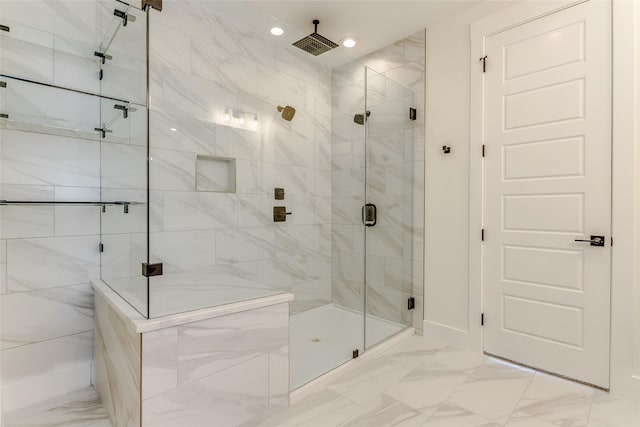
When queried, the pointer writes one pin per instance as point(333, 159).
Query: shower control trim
point(369, 215)
point(280, 214)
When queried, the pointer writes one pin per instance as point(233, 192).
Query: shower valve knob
point(280, 214)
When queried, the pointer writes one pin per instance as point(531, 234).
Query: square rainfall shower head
point(315, 44)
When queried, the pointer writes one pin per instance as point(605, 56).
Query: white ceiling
point(376, 23)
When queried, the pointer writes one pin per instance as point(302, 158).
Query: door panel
point(547, 125)
point(390, 188)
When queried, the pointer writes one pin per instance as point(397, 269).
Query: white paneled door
point(547, 124)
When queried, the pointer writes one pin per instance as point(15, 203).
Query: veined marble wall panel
point(202, 64)
point(117, 363)
point(227, 368)
point(49, 254)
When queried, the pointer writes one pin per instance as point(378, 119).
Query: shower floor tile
point(325, 337)
point(81, 408)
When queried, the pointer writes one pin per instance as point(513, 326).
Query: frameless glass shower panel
point(122, 50)
point(332, 334)
point(219, 148)
point(51, 138)
point(389, 188)
point(123, 133)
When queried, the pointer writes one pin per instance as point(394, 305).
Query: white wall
point(451, 306)
point(447, 176)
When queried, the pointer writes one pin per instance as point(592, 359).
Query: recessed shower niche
point(215, 174)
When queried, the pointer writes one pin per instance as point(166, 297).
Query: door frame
point(507, 19)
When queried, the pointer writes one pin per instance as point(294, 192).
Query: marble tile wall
point(49, 151)
point(117, 354)
point(348, 153)
point(226, 243)
point(228, 368)
point(393, 160)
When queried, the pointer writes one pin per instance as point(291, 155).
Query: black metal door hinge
point(101, 247)
point(5, 28)
point(103, 131)
point(150, 270)
point(124, 109)
point(3, 84)
point(4, 116)
point(484, 63)
point(103, 57)
point(101, 75)
point(482, 319)
point(483, 151)
point(356, 353)
point(482, 235)
point(123, 15)
point(413, 114)
point(411, 303)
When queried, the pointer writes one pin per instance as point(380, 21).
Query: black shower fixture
point(359, 118)
point(314, 43)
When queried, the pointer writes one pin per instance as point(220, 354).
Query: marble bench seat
point(228, 363)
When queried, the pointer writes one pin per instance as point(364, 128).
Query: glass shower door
point(389, 209)
point(121, 57)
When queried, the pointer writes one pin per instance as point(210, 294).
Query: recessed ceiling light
point(277, 31)
point(173, 129)
point(349, 41)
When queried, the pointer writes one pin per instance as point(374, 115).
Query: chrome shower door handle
point(594, 241)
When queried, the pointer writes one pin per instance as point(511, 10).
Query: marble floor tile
point(387, 411)
point(458, 359)
point(322, 409)
point(520, 419)
point(416, 383)
point(369, 380)
point(428, 386)
point(493, 390)
point(81, 408)
point(557, 401)
point(450, 415)
point(414, 351)
point(608, 411)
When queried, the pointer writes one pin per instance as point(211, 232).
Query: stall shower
point(184, 161)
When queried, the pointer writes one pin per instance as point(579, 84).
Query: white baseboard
point(451, 336)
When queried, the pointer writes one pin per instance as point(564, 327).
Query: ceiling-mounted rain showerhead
point(314, 43)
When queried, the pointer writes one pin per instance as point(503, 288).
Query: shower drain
point(316, 339)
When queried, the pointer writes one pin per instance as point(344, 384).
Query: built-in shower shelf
point(103, 205)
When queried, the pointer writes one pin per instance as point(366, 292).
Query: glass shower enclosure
point(188, 159)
